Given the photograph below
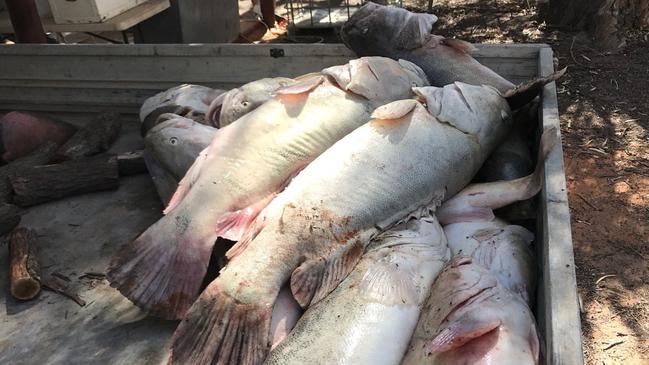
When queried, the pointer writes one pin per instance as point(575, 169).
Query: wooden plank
point(560, 314)
point(239, 50)
point(120, 22)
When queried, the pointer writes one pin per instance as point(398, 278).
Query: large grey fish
point(369, 318)
point(171, 147)
point(406, 160)
point(513, 160)
point(389, 31)
point(471, 318)
point(473, 230)
point(239, 101)
point(185, 100)
point(247, 163)
point(377, 30)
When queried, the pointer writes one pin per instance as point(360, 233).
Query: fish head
point(242, 100)
point(479, 111)
point(378, 79)
point(381, 30)
point(478, 318)
point(176, 142)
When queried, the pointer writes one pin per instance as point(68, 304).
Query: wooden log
point(40, 156)
point(24, 268)
point(131, 163)
point(96, 137)
point(9, 217)
point(40, 184)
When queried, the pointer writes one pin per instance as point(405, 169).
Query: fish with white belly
point(473, 230)
point(370, 316)
point(245, 166)
point(471, 318)
point(402, 163)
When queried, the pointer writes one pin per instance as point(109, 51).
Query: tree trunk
point(605, 20)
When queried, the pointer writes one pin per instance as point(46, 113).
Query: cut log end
point(23, 266)
point(25, 288)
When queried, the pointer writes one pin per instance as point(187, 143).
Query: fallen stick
point(9, 218)
point(131, 163)
point(24, 268)
point(56, 286)
point(94, 138)
point(41, 184)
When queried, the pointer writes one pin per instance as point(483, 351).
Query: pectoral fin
point(466, 328)
point(318, 276)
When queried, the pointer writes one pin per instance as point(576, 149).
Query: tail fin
point(219, 329)
point(476, 201)
point(162, 270)
point(526, 92)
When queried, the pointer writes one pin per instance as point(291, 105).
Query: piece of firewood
point(131, 163)
point(94, 138)
point(55, 285)
point(23, 267)
point(40, 156)
point(9, 217)
point(40, 184)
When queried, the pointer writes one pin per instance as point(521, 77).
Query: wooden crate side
point(69, 78)
point(558, 303)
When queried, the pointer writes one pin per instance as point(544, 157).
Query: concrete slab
point(79, 235)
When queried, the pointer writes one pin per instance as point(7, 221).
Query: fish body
point(500, 247)
point(239, 101)
point(370, 316)
point(247, 163)
point(171, 148)
point(389, 31)
point(185, 100)
point(405, 161)
point(470, 318)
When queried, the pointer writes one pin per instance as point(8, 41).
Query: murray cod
point(471, 318)
point(369, 318)
point(245, 166)
point(403, 162)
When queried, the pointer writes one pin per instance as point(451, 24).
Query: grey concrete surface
point(75, 236)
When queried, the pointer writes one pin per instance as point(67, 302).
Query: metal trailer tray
point(80, 234)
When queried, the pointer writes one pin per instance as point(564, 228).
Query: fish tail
point(219, 329)
point(161, 271)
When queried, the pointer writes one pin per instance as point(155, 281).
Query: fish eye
point(245, 104)
point(173, 140)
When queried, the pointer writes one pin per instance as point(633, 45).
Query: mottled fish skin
point(370, 316)
point(239, 101)
point(470, 318)
point(186, 99)
point(404, 161)
point(500, 247)
point(378, 30)
point(473, 230)
point(171, 148)
point(247, 163)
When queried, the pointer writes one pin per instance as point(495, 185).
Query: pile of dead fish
point(360, 237)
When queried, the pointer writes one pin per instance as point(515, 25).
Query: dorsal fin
point(394, 110)
point(303, 86)
point(527, 91)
